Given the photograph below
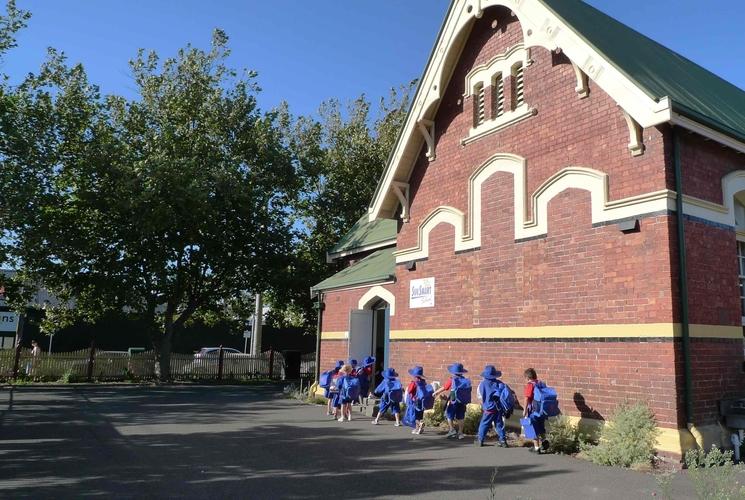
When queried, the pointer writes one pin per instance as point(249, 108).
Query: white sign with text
point(8, 321)
point(422, 293)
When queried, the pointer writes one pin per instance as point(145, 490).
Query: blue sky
point(307, 51)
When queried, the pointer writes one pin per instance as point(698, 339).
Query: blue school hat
point(417, 371)
point(389, 373)
point(368, 361)
point(339, 364)
point(457, 369)
point(491, 373)
point(353, 362)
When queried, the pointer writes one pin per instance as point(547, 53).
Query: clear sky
point(307, 51)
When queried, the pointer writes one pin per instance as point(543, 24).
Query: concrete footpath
point(248, 442)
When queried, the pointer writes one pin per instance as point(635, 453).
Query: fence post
point(220, 364)
point(91, 359)
point(271, 361)
point(19, 346)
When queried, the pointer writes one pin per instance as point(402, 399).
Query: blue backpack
point(545, 400)
point(324, 381)
point(461, 391)
point(506, 399)
point(351, 388)
point(394, 391)
point(425, 397)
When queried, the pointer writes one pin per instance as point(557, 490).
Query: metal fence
point(92, 364)
point(308, 365)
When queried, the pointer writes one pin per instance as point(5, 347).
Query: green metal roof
point(376, 267)
point(365, 233)
point(658, 71)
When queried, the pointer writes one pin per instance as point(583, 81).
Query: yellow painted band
point(650, 330)
point(333, 335)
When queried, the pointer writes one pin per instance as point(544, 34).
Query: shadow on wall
point(590, 419)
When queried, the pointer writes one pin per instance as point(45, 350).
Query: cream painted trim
point(374, 246)
point(583, 86)
point(541, 28)
point(334, 335)
point(650, 330)
point(484, 74)
point(507, 119)
point(707, 132)
point(378, 292)
point(740, 235)
point(636, 135)
point(356, 287)
point(732, 183)
point(468, 232)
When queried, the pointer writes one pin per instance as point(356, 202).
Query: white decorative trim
point(356, 287)
point(583, 86)
point(636, 135)
point(541, 28)
point(330, 257)
point(484, 73)
point(732, 183)
point(402, 193)
point(468, 231)
point(378, 292)
point(427, 129)
point(707, 132)
point(501, 122)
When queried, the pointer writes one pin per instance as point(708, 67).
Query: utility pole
point(258, 320)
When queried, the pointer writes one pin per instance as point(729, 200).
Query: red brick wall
point(331, 352)
point(591, 377)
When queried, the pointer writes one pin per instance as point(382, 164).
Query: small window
point(480, 111)
point(498, 96)
point(519, 85)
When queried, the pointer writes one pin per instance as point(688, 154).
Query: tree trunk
point(164, 358)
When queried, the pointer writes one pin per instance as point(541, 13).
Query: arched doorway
point(369, 327)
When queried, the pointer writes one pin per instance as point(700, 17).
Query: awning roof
point(366, 234)
point(380, 266)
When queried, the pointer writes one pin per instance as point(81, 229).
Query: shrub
point(436, 416)
point(68, 377)
point(471, 422)
point(714, 474)
point(562, 435)
point(629, 439)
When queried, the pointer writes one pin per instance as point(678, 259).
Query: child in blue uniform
point(365, 373)
point(344, 402)
point(330, 392)
point(488, 391)
point(416, 387)
point(391, 395)
point(455, 412)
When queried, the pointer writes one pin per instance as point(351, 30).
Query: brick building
point(528, 216)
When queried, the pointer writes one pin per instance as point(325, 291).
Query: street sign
point(246, 334)
point(8, 321)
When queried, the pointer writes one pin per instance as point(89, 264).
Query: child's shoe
point(451, 434)
point(502, 444)
point(461, 436)
point(544, 445)
point(397, 424)
point(479, 443)
point(340, 419)
point(349, 418)
point(374, 422)
point(414, 431)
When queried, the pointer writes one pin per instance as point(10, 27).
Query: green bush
point(436, 417)
point(562, 435)
point(68, 377)
point(714, 475)
point(472, 420)
point(628, 439)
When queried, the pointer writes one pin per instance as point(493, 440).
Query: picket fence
point(92, 364)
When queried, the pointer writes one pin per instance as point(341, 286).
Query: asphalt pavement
point(250, 442)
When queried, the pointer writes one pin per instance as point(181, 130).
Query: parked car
point(206, 360)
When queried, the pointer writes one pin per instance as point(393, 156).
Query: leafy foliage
point(436, 416)
point(562, 435)
point(714, 475)
point(628, 439)
point(340, 158)
point(164, 205)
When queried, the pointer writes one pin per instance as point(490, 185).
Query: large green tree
point(340, 156)
point(164, 205)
